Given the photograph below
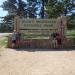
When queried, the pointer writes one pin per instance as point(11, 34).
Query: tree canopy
point(57, 8)
point(32, 8)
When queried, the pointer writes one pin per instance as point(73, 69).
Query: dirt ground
point(13, 62)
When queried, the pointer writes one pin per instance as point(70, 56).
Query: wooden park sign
point(40, 26)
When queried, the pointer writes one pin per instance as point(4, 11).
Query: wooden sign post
point(40, 27)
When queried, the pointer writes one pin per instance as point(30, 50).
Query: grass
point(3, 42)
point(70, 34)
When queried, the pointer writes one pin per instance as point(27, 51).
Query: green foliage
point(32, 8)
point(16, 6)
point(2, 28)
point(70, 33)
point(20, 7)
point(9, 4)
point(71, 22)
point(3, 42)
point(56, 8)
point(5, 28)
point(53, 8)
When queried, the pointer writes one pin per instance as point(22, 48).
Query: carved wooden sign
point(39, 26)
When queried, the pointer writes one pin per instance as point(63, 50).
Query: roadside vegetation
point(3, 42)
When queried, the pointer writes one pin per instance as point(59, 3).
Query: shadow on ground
point(45, 49)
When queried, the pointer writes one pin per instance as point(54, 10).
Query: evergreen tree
point(68, 6)
point(31, 11)
point(51, 8)
point(56, 8)
point(16, 6)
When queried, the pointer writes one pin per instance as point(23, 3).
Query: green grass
point(70, 34)
point(3, 42)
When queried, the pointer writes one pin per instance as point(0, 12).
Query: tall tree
point(56, 8)
point(51, 8)
point(32, 8)
point(68, 6)
point(21, 8)
point(14, 6)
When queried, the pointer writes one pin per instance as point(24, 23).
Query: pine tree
point(16, 6)
point(57, 8)
point(52, 8)
point(32, 8)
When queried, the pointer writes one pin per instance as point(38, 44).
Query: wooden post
point(16, 23)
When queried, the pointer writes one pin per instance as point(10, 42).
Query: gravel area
point(13, 62)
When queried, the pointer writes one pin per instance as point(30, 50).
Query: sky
point(2, 12)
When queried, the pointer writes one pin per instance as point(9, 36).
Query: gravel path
point(14, 62)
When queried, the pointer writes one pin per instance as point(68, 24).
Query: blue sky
point(2, 12)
